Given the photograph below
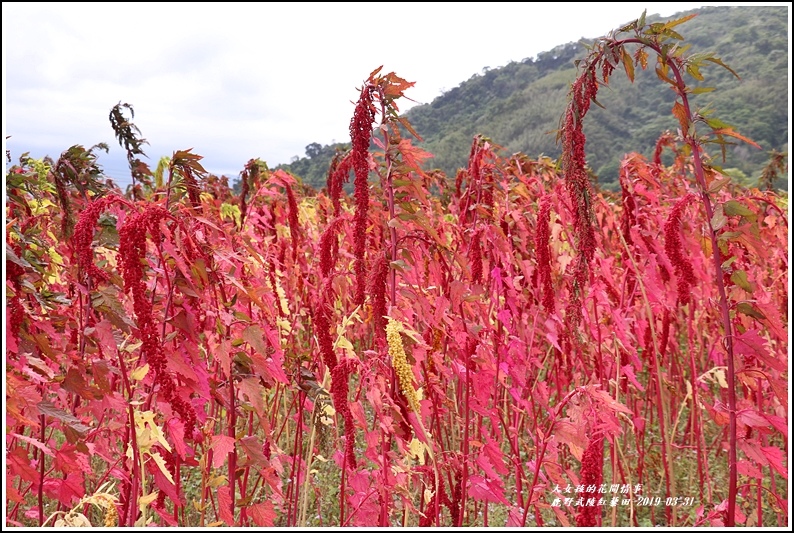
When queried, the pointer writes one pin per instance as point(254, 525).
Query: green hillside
point(519, 105)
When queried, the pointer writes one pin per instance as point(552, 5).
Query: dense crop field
point(507, 346)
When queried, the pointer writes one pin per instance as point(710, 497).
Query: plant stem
point(723, 303)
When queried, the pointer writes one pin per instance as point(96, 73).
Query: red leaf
point(752, 418)
point(176, 428)
point(221, 446)
point(775, 458)
point(729, 132)
point(252, 388)
point(225, 505)
point(748, 469)
point(162, 482)
point(263, 514)
point(167, 517)
point(779, 423)
point(252, 447)
point(35, 442)
point(18, 464)
point(628, 371)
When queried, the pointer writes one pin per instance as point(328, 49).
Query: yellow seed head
point(111, 516)
point(400, 364)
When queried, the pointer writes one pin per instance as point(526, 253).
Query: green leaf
point(749, 309)
point(718, 219)
point(732, 207)
point(739, 277)
point(715, 123)
point(716, 185)
point(695, 72)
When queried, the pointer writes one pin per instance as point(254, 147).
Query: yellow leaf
point(144, 501)
point(139, 373)
point(428, 495)
point(344, 344)
point(284, 325)
point(216, 481)
point(416, 450)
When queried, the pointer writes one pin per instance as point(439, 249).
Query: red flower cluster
point(543, 251)
point(591, 474)
point(675, 250)
point(132, 252)
point(475, 258)
point(337, 176)
point(360, 135)
point(583, 91)
point(329, 246)
point(84, 235)
point(323, 325)
point(294, 224)
point(339, 391)
point(16, 311)
point(339, 371)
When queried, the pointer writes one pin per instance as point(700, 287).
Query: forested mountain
point(518, 106)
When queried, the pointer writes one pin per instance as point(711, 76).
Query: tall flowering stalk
point(360, 135)
point(582, 93)
point(608, 52)
point(543, 251)
point(132, 253)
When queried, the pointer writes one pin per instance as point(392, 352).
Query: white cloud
point(236, 81)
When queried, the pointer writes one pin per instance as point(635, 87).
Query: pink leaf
point(480, 489)
point(495, 455)
point(779, 423)
point(748, 469)
point(752, 418)
point(628, 371)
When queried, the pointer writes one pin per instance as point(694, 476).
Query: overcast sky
point(237, 81)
